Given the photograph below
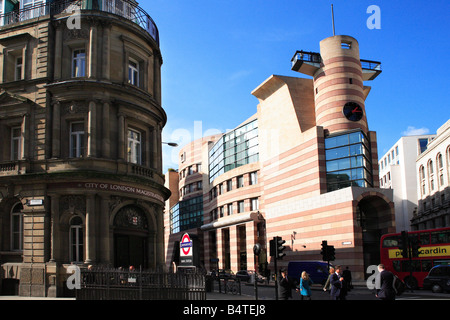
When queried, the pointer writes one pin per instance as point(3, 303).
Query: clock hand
point(356, 110)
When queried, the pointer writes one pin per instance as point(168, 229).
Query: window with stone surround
point(17, 227)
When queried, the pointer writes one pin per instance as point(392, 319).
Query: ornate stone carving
point(75, 34)
point(75, 107)
point(131, 217)
point(72, 204)
point(114, 202)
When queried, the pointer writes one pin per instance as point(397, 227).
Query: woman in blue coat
point(305, 286)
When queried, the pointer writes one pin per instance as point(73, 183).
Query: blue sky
point(216, 52)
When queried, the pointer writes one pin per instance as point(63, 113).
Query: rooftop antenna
point(332, 18)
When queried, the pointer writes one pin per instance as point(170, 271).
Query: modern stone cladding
point(186, 183)
point(80, 160)
point(295, 117)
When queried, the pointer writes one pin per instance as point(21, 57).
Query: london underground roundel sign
point(186, 245)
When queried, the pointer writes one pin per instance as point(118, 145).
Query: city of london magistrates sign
point(110, 187)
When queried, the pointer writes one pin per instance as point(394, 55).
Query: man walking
point(384, 283)
point(285, 286)
point(338, 291)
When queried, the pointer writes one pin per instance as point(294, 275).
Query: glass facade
point(348, 161)
point(234, 149)
point(186, 214)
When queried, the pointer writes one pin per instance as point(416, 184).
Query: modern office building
point(184, 209)
point(433, 176)
point(398, 172)
point(80, 157)
point(304, 167)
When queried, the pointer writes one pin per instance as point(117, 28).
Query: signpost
point(256, 251)
point(186, 251)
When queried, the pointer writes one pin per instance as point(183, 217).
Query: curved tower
point(349, 149)
point(338, 86)
point(339, 92)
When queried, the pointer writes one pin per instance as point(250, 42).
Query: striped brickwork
point(337, 82)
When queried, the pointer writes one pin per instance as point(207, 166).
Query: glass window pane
point(337, 153)
point(345, 152)
point(355, 137)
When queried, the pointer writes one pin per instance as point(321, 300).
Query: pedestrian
point(285, 285)
point(384, 283)
point(305, 286)
point(327, 285)
point(347, 275)
point(338, 291)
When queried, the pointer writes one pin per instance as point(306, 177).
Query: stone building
point(398, 172)
point(433, 187)
point(80, 157)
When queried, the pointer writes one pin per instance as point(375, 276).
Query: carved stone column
point(106, 140)
point(56, 130)
point(121, 133)
point(90, 230)
point(92, 136)
point(55, 235)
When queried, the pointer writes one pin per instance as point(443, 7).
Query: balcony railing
point(128, 9)
point(304, 56)
point(371, 65)
point(13, 168)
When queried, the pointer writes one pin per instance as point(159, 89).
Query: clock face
point(352, 111)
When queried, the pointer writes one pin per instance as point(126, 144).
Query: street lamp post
point(172, 144)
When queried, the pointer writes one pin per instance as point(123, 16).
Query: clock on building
point(352, 111)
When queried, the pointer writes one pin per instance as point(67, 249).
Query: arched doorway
point(374, 217)
point(131, 238)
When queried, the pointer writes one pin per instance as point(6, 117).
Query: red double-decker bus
point(434, 250)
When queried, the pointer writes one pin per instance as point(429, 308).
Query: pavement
point(358, 287)
point(360, 290)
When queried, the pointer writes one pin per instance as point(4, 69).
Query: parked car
point(247, 276)
point(222, 273)
point(438, 279)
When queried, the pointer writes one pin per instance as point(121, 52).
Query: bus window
point(415, 266)
point(425, 238)
point(414, 237)
point(439, 237)
point(391, 242)
point(396, 265)
point(405, 266)
point(447, 235)
point(426, 265)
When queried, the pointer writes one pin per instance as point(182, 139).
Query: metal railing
point(125, 8)
point(117, 284)
point(371, 65)
point(225, 285)
point(314, 57)
point(306, 56)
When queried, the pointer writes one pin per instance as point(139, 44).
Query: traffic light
point(279, 247)
point(404, 244)
point(273, 251)
point(415, 246)
point(331, 253)
point(324, 251)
